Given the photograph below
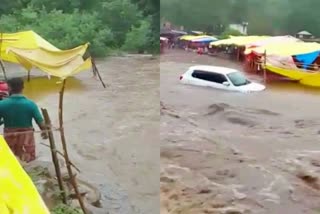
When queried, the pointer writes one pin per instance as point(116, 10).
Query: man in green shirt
point(17, 113)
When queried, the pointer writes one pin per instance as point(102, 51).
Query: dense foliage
point(131, 25)
point(264, 17)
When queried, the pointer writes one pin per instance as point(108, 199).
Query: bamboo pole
point(93, 68)
point(62, 155)
point(96, 71)
point(1, 62)
point(54, 156)
point(264, 67)
point(238, 54)
point(3, 69)
point(29, 76)
point(65, 150)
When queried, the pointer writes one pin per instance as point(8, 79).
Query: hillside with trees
point(271, 17)
point(129, 25)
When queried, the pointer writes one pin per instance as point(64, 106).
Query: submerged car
point(220, 78)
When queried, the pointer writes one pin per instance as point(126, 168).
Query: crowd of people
point(173, 43)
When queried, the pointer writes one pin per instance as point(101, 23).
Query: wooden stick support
point(93, 68)
point(96, 71)
point(65, 150)
point(29, 76)
point(3, 70)
point(264, 67)
point(1, 62)
point(238, 54)
point(62, 155)
point(54, 156)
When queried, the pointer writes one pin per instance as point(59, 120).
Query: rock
point(93, 195)
point(240, 196)
point(37, 164)
point(165, 179)
point(41, 186)
point(315, 162)
point(309, 178)
point(234, 210)
point(218, 204)
point(90, 209)
point(205, 191)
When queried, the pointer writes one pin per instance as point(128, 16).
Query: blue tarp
point(205, 40)
point(307, 59)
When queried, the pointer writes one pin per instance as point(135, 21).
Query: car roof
point(215, 69)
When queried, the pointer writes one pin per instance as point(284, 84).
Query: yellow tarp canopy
point(287, 49)
point(55, 63)
point(18, 195)
point(30, 50)
point(304, 77)
point(24, 40)
point(238, 40)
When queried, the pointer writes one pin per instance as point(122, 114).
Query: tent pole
point(93, 68)
point(3, 70)
point(29, 76)
point(264, 67)
point(1, 62)
point(54, 155)
point(96, 71)
point(72, 177)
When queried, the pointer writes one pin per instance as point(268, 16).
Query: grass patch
point(65, 209)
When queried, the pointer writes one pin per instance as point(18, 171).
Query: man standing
point(17, 113)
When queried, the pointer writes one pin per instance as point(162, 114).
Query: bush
point(63, 30)
point(137, 38)
point(106, 24)
point(229, 32)
point(120, 16)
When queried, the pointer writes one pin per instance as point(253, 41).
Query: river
point(112, 133)
point(227, 152)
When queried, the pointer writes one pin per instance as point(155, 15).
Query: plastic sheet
point(18, 195)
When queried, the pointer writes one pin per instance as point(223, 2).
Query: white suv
point(220, 78)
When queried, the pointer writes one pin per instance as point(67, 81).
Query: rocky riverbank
point(43, 175)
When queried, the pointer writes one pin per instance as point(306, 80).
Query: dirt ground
point(112, 133)
point(224, 152)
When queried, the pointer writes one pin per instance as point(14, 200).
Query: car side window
point(209, 76)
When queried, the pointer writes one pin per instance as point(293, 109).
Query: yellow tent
point(304, 77)
point(238, 40)
point(24, 40)
point(30, 50)
point(18, 195)
point(286, 49)
point(55, 63)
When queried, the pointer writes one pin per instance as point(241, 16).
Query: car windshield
point(238, 79)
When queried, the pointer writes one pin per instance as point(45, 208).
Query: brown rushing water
point(246, 153)
point(112, 133)
point(40, 87)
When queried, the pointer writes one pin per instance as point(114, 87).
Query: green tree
point(271, 17)
point(238, 12)
point(303, 15)
point(120, 16)
point(69, 23)
point(137, 38)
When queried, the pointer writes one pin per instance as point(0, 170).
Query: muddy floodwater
point(112, 133)
point(225, 152)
